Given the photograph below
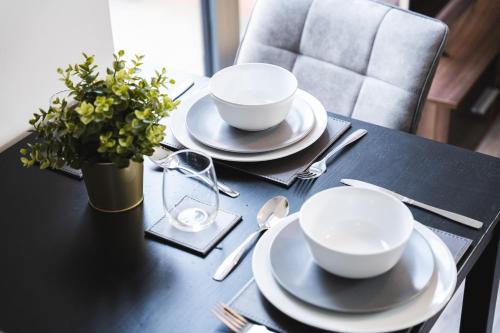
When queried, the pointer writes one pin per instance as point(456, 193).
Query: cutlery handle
point(227, 190)
point(180, 88)
point(66, 169)
point(347, 141)
point(234, 258)
point(220, 186)
point(450, 215)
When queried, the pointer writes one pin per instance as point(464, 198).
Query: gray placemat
point(200, 242)
point(251, 304)
point(284, 170)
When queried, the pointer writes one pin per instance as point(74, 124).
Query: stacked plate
point(414, 290)
point(198, 125)
point(250, 113)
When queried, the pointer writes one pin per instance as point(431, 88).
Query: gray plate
point(294, 269)
point(205, 125)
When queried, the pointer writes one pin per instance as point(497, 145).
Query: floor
point(169, 33)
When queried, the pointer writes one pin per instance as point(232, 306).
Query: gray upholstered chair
point(360, 58)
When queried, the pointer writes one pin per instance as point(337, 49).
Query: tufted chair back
point(360, 58)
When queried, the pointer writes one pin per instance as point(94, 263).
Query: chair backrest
point(360, 58)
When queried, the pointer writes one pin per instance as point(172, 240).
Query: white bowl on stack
point(253, 96)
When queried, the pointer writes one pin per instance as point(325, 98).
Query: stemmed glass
point(190, 194)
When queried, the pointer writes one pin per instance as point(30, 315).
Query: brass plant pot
point(113, 189)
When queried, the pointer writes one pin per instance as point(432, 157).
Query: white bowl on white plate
point(253, 96)
point(355, 232)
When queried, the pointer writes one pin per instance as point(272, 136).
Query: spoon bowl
point(273, 210)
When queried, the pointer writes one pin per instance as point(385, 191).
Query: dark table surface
point(66, 267)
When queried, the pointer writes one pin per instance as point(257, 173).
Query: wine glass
point(190, 194)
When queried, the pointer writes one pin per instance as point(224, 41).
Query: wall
point(37, 37)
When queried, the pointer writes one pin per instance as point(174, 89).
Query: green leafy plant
point(111, 119)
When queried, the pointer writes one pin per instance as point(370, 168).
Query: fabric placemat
point(284, 170)
point(200, 242)
point(250, 303)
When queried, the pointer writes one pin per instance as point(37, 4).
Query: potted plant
point(104, 127)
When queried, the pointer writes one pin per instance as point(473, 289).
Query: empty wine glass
point(190, 194)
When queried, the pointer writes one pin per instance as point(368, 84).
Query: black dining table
point(68, 268)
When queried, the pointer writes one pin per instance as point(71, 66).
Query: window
point(168, 32)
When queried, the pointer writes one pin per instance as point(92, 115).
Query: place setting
point(264, 125)
point(350, 260)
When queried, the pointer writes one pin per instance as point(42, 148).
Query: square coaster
point(200, 242)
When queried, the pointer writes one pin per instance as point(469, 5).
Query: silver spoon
point(272, 211)
point(159, 156)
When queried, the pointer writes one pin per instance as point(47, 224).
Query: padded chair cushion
point(360, 58)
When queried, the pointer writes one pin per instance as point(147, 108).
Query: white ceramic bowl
point(253, 96)
point(354, 232)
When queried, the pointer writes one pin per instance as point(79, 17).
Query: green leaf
point(111, 118)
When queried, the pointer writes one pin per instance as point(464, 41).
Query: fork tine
point(235, 314)
point(226, 323)
point(219, 313)
point(305, 175)
point(237, 320)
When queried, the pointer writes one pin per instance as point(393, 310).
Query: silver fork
point(318, 168)
point(235, 321)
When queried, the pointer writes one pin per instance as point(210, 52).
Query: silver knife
point(449, 215)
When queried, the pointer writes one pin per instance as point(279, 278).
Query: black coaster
point(200, 242)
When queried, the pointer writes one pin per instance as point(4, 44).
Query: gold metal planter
point(112, 189)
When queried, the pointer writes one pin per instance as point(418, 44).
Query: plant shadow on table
point(108, 260)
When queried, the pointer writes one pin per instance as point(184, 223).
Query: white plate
point(423, 307)
point(181, 133)
point(205, 125)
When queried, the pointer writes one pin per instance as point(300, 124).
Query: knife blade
point(470, 222)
